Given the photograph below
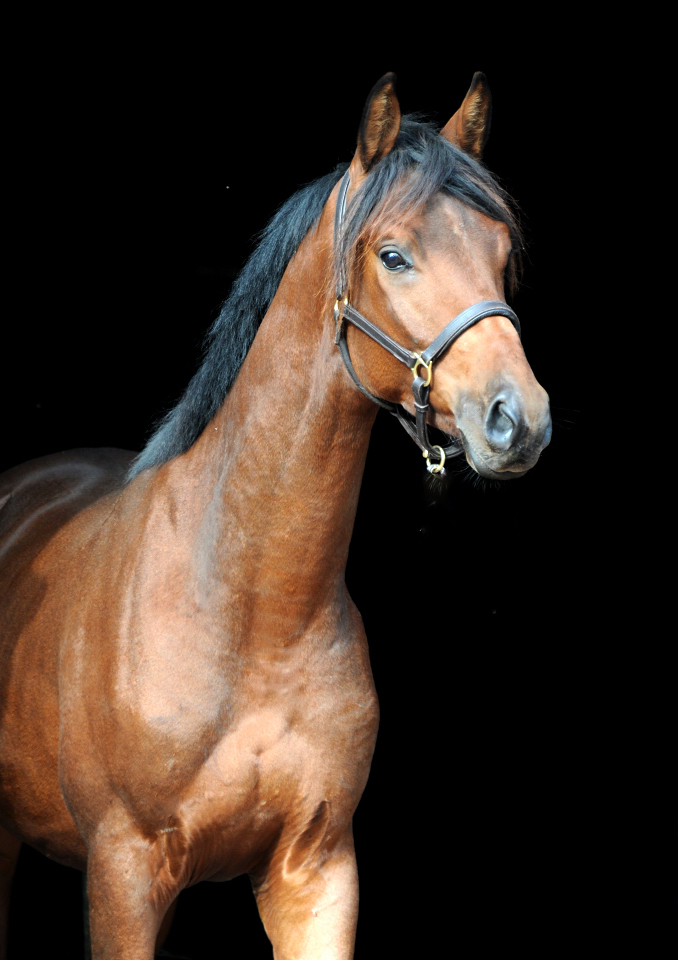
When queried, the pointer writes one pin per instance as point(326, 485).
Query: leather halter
point(421, 387)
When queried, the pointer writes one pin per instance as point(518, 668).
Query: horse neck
point(276, 475)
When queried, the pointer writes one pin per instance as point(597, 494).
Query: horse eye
point(392, 260)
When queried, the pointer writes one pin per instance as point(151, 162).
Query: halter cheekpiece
point(420, 364)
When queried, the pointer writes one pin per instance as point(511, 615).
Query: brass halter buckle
point(428, 367)
point(435, 467)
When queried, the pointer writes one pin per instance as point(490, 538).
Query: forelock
point(421, 165)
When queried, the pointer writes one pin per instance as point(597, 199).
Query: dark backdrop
point(516, 795)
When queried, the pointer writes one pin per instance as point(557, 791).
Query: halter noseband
point(421, 387)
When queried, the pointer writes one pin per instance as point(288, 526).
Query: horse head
point(428, 232)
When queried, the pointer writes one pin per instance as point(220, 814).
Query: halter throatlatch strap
point(420, 364)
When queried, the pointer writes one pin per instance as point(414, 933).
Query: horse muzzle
point(506, 439)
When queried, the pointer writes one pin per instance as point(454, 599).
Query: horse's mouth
point(482, 468)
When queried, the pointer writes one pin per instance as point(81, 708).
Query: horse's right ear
point(379, 126)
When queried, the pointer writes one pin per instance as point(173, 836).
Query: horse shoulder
point(39, 502)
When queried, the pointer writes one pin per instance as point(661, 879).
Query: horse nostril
point(501, 423)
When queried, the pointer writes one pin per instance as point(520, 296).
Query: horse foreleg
point(166, 925)
point(310, 911)
point(130, 892)
point(9, 854)
point(163, 932)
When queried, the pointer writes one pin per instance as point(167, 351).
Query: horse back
point(43, 494)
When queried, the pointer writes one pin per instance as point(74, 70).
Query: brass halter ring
point(338, 312)
point(427, 366)
point(435, 467)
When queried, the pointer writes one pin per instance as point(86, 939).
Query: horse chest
point(265, 780)
point(293, 730)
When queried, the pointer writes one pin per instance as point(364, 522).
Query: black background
point(520, 789)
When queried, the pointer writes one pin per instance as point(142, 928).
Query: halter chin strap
point(420, 364)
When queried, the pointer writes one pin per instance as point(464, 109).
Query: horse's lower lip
point(482, 469)
point(498, 474)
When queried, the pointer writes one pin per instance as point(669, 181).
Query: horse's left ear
point(469, 128)
point(379, 125)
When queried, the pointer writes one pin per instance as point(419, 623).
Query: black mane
point(232, 333)
point(420, 164)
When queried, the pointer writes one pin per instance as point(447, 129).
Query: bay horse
point(185, 686)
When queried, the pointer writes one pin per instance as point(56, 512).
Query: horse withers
point(185, 686)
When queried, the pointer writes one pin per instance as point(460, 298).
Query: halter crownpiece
point(418, 363)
